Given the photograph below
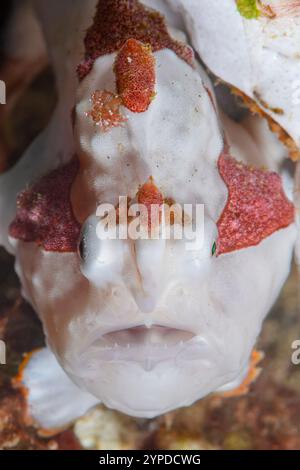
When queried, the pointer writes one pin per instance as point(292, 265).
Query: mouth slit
point(146, 346)
point(142, 335)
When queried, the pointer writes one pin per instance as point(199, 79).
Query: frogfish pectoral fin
point(53, 400)
point(253, 373)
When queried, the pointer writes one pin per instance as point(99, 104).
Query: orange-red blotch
point(256, 206)
point(149, 195)
point(253, 373)
point(105, 111)
point(135, 74)
point(17, 383)
point(44, 212)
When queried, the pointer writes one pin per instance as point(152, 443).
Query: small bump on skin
point(135, 74)
point(149, 195)
point(105, 111)
point(256, 206)
point(116, 21)
point(44, 212)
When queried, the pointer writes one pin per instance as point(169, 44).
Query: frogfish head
point(145, 323)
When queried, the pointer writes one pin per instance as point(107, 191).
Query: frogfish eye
point(81, 248)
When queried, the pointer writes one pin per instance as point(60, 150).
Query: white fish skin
point(260, 57)
point(194, 331)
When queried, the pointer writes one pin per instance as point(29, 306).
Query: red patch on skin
point(105, 110)
point(149, 195)
point(135, 72)
point(116, 21)
point(256, 206)
point(44, 212)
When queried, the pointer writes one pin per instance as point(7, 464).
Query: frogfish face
point(148, 325)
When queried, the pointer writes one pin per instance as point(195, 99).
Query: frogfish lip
point(146, 346)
